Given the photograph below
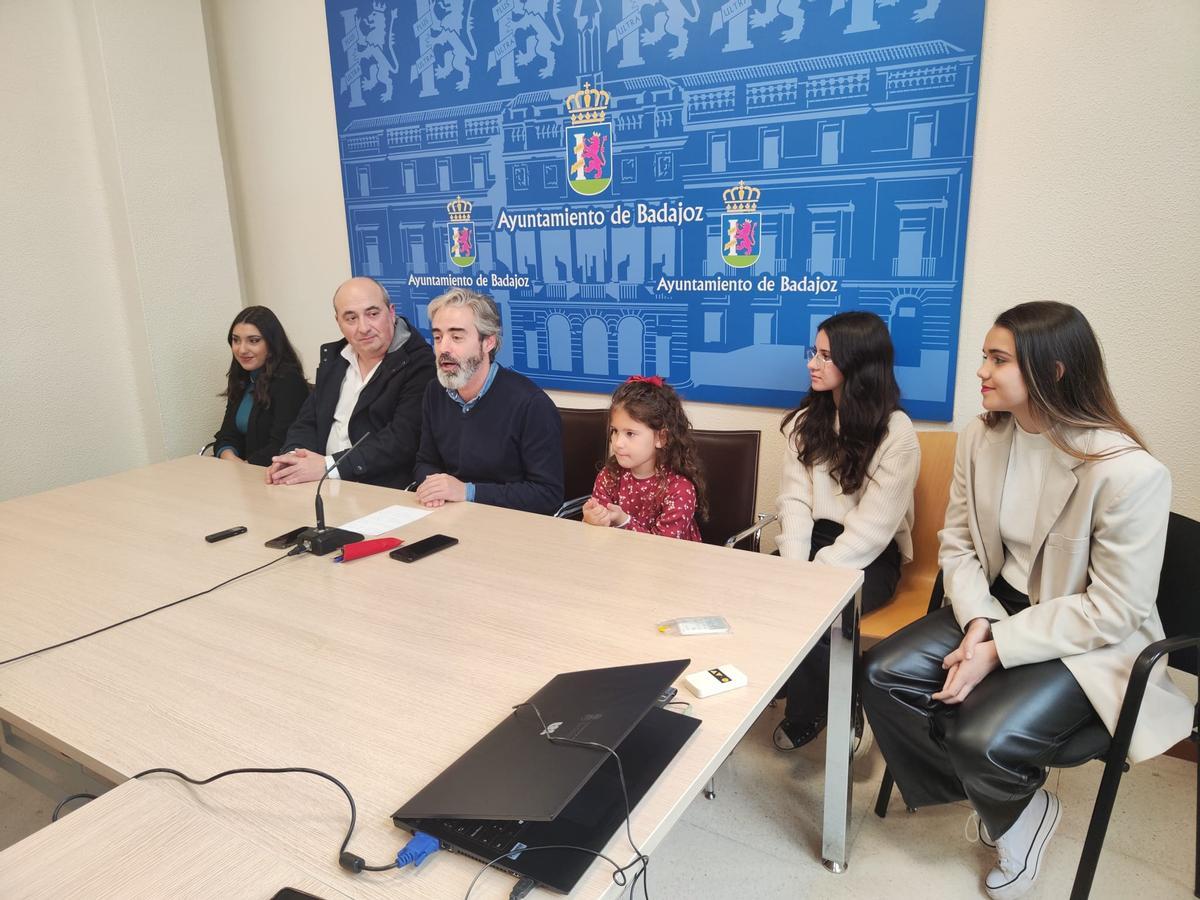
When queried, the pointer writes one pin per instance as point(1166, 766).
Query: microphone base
point(322, 541)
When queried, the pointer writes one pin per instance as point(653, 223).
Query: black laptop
point(515, 789)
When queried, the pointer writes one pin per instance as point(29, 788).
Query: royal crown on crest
point(741, 198)
point(379, 6)
point(588, 105)
point(459, 209)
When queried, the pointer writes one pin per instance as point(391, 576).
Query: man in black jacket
point(372, 381)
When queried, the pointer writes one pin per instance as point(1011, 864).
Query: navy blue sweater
point(509, 445)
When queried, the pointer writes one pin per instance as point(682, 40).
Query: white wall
point(152, 81)
point(1087, 190)
point(1086, 179)
point(271, 62)
point(118, 250)
point(61, 285)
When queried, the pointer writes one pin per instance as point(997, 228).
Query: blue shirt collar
point(468, 406)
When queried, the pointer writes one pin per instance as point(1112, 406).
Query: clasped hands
point(970, 663)
point(437, 490)
point(296, 467)
point(597, 513)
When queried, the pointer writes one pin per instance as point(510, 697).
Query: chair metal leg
point(710, 789)
point(1094, 842)
point(885, 794)
point(839, 785)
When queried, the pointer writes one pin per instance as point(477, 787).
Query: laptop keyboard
point(499, 834)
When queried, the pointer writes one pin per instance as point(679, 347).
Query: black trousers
point(807, 689)
point(994, 747)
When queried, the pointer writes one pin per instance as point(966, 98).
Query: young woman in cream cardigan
point(1051, 555)
point(846, 492)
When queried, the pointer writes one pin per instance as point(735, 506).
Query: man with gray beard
point(488, 434)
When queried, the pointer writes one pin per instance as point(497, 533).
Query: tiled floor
point(760, 838)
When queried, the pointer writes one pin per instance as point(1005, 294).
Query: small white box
point(716, 680)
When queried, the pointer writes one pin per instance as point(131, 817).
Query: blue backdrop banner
point(676, 187)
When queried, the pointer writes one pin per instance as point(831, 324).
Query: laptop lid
point(588, 821)
point(513, 772)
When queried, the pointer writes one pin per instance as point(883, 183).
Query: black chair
point(585, 446)
point(730, 463)
point(211, 445)
point(729, 460)
point(1180, 613)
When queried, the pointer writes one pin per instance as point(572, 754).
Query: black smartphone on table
point(410, 553)
point(285, 540)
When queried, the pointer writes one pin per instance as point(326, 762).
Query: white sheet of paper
point(385, 520)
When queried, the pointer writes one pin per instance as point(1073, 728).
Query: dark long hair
point(861, 348)
point(658, 407)
point(1053, 338)
point(281, 356)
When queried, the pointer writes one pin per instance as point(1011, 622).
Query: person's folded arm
point(677, 515)
point(604, 489)
point(795, 507)
point(882, 506)
point(227, 436)
point(287, 398)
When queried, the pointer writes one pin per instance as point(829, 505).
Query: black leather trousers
point(807, 690)
point(993, 748)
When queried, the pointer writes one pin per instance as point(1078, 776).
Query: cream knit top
point(882, 509)
point(1027, 461)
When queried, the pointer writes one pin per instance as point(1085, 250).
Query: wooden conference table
point(377, 672)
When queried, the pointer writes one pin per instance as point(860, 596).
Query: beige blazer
point(1098, 542)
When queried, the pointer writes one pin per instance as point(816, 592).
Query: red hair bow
point(655, 380)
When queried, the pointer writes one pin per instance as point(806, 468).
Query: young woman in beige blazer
point(846, 491)
point(1051, 554)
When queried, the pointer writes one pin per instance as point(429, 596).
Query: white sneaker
point(1023, 847)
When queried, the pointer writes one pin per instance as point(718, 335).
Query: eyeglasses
point(814, 355)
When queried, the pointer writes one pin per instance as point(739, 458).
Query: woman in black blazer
point(265, 391)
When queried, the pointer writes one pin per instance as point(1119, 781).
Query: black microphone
point(320, 541)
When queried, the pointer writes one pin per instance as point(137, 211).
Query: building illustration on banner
point(682, 188)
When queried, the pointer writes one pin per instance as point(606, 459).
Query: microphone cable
point(295, 551)
point(348, 861)
point(292, 552)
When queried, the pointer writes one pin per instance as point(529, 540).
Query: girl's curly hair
point(658, 407)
